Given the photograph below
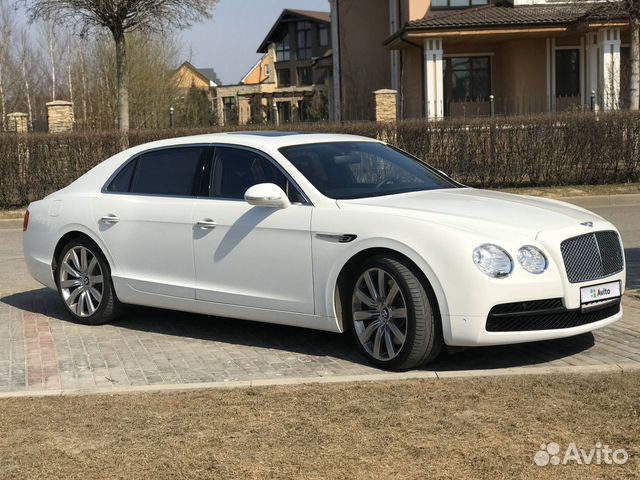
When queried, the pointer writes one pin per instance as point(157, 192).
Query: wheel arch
point(419, 265)
point(71, 233)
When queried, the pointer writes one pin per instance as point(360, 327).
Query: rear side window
point(122, 182)
point(168, 172)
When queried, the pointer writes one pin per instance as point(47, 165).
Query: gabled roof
point(506, 15)
point(210, 73)
point(206, 74)
point(320, 17)
point(258, 64)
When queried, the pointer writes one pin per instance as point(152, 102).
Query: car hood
point(475, 209)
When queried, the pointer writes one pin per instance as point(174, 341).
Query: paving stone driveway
point(40, 349)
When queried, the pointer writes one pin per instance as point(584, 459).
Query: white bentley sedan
point(331, 232)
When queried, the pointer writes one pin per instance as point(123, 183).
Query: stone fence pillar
point(60, 116)
point(386, 103)
point(18, 122)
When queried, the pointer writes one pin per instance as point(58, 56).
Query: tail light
point(25, 224)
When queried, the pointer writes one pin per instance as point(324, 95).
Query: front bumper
point(470, 331)
point(465, 323)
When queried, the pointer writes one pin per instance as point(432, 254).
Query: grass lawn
point(480, 428)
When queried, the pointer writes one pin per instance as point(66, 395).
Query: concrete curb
point(595, 201)
point(297, 381)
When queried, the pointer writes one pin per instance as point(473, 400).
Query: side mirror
point(267, 195)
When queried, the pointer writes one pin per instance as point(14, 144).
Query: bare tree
point(6, 25)
point(121, 17)
point(51, 44)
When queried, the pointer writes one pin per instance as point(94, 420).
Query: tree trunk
point(634, 77)
point(122, 73)
point(3, 103)
point(52, 57)
point(27, 89)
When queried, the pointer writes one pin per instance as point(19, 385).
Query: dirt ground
point(479, 428)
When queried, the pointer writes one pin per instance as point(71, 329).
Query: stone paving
point(41, 350)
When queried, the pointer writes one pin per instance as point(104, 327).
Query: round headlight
point(493, 260)
point(532, 260)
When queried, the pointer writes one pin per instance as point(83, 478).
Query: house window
point(568, 73)
point(323, 35)
point(468, 79)
point(284, 77)
point(283, 50)
point(303, 30)
point(230, 111)
point(304, 76)
point(284, 112)
point(443, 4)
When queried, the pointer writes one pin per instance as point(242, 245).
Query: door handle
point(110, 219)
point(206, 224)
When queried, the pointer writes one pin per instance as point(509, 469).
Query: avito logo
point(599, 292)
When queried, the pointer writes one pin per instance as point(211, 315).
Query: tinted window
point(168, 172)
point(236, 170)
point(122, 182)
point(344, 170)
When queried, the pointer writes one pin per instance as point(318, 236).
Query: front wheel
point(394, 316)
point(84, 283)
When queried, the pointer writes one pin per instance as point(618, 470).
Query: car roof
point(257, 139)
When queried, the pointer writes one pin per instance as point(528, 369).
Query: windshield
point(344, 170)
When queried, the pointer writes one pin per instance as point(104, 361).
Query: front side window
point(303, 30)
point(283, 50)
point(236, 170)
point(169, 172)
point(344, 170)
point(567, 73)
point(468, 79)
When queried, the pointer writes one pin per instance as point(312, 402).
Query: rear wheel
point(394, 316)
point(84, 283)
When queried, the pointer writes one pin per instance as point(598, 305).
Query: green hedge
point(545, 150)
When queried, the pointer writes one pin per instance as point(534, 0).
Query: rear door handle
point(110, 219)
point(206, 224)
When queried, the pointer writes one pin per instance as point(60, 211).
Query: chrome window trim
point(265, 155)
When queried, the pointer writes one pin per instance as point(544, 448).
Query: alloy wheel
point(379, 313)
point(81, 281)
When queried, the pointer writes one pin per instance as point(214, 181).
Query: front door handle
point(110, 219)
point(206, 224)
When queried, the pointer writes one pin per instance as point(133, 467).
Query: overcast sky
point(228, 42)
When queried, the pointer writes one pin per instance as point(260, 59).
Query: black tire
point(109, 308)
point(423, 339)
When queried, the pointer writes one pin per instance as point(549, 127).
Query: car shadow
point(298, 340)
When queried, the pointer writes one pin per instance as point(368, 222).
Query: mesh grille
point(592, 256)
point(540, 320)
